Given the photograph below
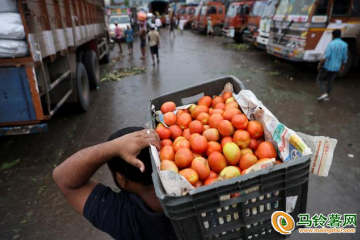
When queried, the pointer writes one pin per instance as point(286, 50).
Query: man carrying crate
point(133, 213)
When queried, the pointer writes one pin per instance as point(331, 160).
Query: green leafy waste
point(117, 74)
point(239, 47)
point(6, 166)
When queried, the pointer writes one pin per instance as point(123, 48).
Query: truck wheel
point(106, 58)
point(239, 38)
point(82, 86)
point(92, 66)
point(348, 65)
point(217, 30)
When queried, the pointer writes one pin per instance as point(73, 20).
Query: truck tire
point(92, 66)
point(82, 87)
point(239, 37)
point(348, 65)
point(217, 30)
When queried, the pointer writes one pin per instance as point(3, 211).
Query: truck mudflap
point(26, 129)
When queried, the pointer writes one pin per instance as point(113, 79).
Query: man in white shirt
point(158, 24)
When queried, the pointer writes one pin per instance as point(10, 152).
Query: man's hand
point(319, 67)
point(130, 145)
point(342, 68)
point(73, 176)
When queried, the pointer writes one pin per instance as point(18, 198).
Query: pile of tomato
point(211, 140)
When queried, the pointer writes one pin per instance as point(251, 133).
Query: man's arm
point(73, 176)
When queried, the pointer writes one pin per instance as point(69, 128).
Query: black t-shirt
point(124, 215)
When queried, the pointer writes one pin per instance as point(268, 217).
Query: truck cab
point(121, 20)
point(302, 29)
point(216, 11)
point(189, 15)
point(237, 19)
point(265, 22)
point(251, 32)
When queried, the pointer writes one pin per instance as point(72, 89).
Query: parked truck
point(265, 22)
point(195, 22)
point(65, 39)
point(251, 32)
point(216, 11)
point(236, 20)
point(301, 29)
point(159, 9)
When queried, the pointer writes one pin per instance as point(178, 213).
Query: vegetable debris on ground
point(120, 73)
point(239, 46)
point(6, 166)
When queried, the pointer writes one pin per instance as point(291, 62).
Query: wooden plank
point(30, 71)
point(16, 61)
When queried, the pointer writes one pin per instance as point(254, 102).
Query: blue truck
point(66, 40)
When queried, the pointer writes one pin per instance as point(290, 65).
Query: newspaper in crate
point(173, 183)
point(289, 144)
point(323, 151)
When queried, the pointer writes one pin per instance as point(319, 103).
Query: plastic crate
point(209, 213)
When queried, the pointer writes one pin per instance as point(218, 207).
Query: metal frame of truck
point(304, 38)
point(66, 39)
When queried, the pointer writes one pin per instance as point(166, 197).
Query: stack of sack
point(12, 34)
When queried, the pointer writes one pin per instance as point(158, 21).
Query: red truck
point(190, 15)
point(216, 11)
point(237, 19)
point(251, 32)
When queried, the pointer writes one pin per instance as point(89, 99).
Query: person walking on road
point(172, 26)
point(132, 213)
point(182, 24)
point(129, 38)
point(158, 24)
point(142, 36)
point(332, 63)
point(118, 36)
point(154, 42)
point(209, 27)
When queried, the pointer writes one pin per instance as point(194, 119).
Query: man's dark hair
point(336, 33)
point(129, 171)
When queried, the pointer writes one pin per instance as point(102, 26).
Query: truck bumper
point(295, 55)
point(262, 42)
point(229, 33)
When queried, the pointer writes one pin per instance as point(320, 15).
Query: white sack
point(11, 26)
point(13, 48)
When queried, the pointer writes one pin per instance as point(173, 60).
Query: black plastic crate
point(209, 212)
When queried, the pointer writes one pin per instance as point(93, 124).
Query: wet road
point(31, 207)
